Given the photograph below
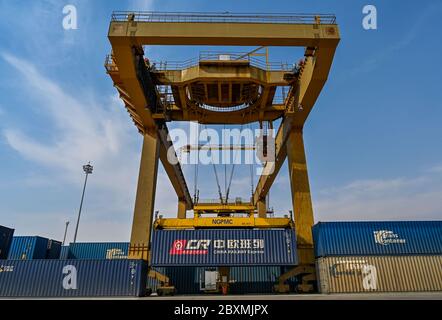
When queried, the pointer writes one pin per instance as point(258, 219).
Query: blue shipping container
point(54, 249)
point(223, 247)
point(186, 280)
point(27, 248)
point(248, 280)
point(5, 241)
point(99, 250)
point(378, 238)
point(72, 278)
point(243, 280)
point(64, 253)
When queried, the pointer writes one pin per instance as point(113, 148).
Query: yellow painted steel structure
point(223, 222)
point(221, 89)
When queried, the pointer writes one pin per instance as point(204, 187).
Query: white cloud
point(436, 169)
point(382, 199)
point(85, 130)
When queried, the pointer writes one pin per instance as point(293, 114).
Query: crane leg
point(303, 212)
point(301, 198)
point(181, 209)
point(145, 198)
point(262, 209)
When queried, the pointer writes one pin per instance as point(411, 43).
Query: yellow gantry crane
point(222, 88)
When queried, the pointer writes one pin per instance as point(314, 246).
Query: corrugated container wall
point(6, 235)
point(72, 278)
point(223, 247)
point(99, 250)
point(185, 279)
point(379, 274)
point(243, 280)
point(27, 248)
point(54, 249)
point(378, 238)
point(64, 253)
point(153, 283)
point(250, 280)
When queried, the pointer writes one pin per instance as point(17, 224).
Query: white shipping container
point(379, 274)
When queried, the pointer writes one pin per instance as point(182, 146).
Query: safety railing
point(174, 65)
point(224, 17)
point(110, 64)
point(222, 56)
point(237, 201)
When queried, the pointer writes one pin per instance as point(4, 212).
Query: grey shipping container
point(379, 274)
point(6, 235)
point(28, 247)
point(72, 278)
point(223, 247)
point(98, 250)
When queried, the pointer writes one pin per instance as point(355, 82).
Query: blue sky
point(373, 139)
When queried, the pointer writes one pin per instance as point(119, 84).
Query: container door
point(322, 275)
point(210, 278)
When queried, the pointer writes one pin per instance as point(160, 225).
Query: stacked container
point(54, 249)
point(243, 280)
point(64, 252)
point(98, 250)
point(34, 247)
point(28, 248)
point(5, 241)
point(378, 256)
point(223, 247)
point(72, 278)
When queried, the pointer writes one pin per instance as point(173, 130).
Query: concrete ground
point(346, 296)
point(269, 297)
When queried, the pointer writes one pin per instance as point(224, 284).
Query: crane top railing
point(236, 201)
point(223, 17)
point(223, 56)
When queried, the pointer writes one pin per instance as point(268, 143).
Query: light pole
point(88, 170)
point(65, 232)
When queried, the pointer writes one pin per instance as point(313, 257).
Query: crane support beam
point(262, 209)
point(223, 34)
point(124, 56)
point(181, 210)
point(271, 169)
point(173, 168)
point(271, 113)
point(145, 197)
point(223, 208)
point(223, 222)
point(221, 73)
point(300, 102)
point(127, 82)
point(301, 198)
